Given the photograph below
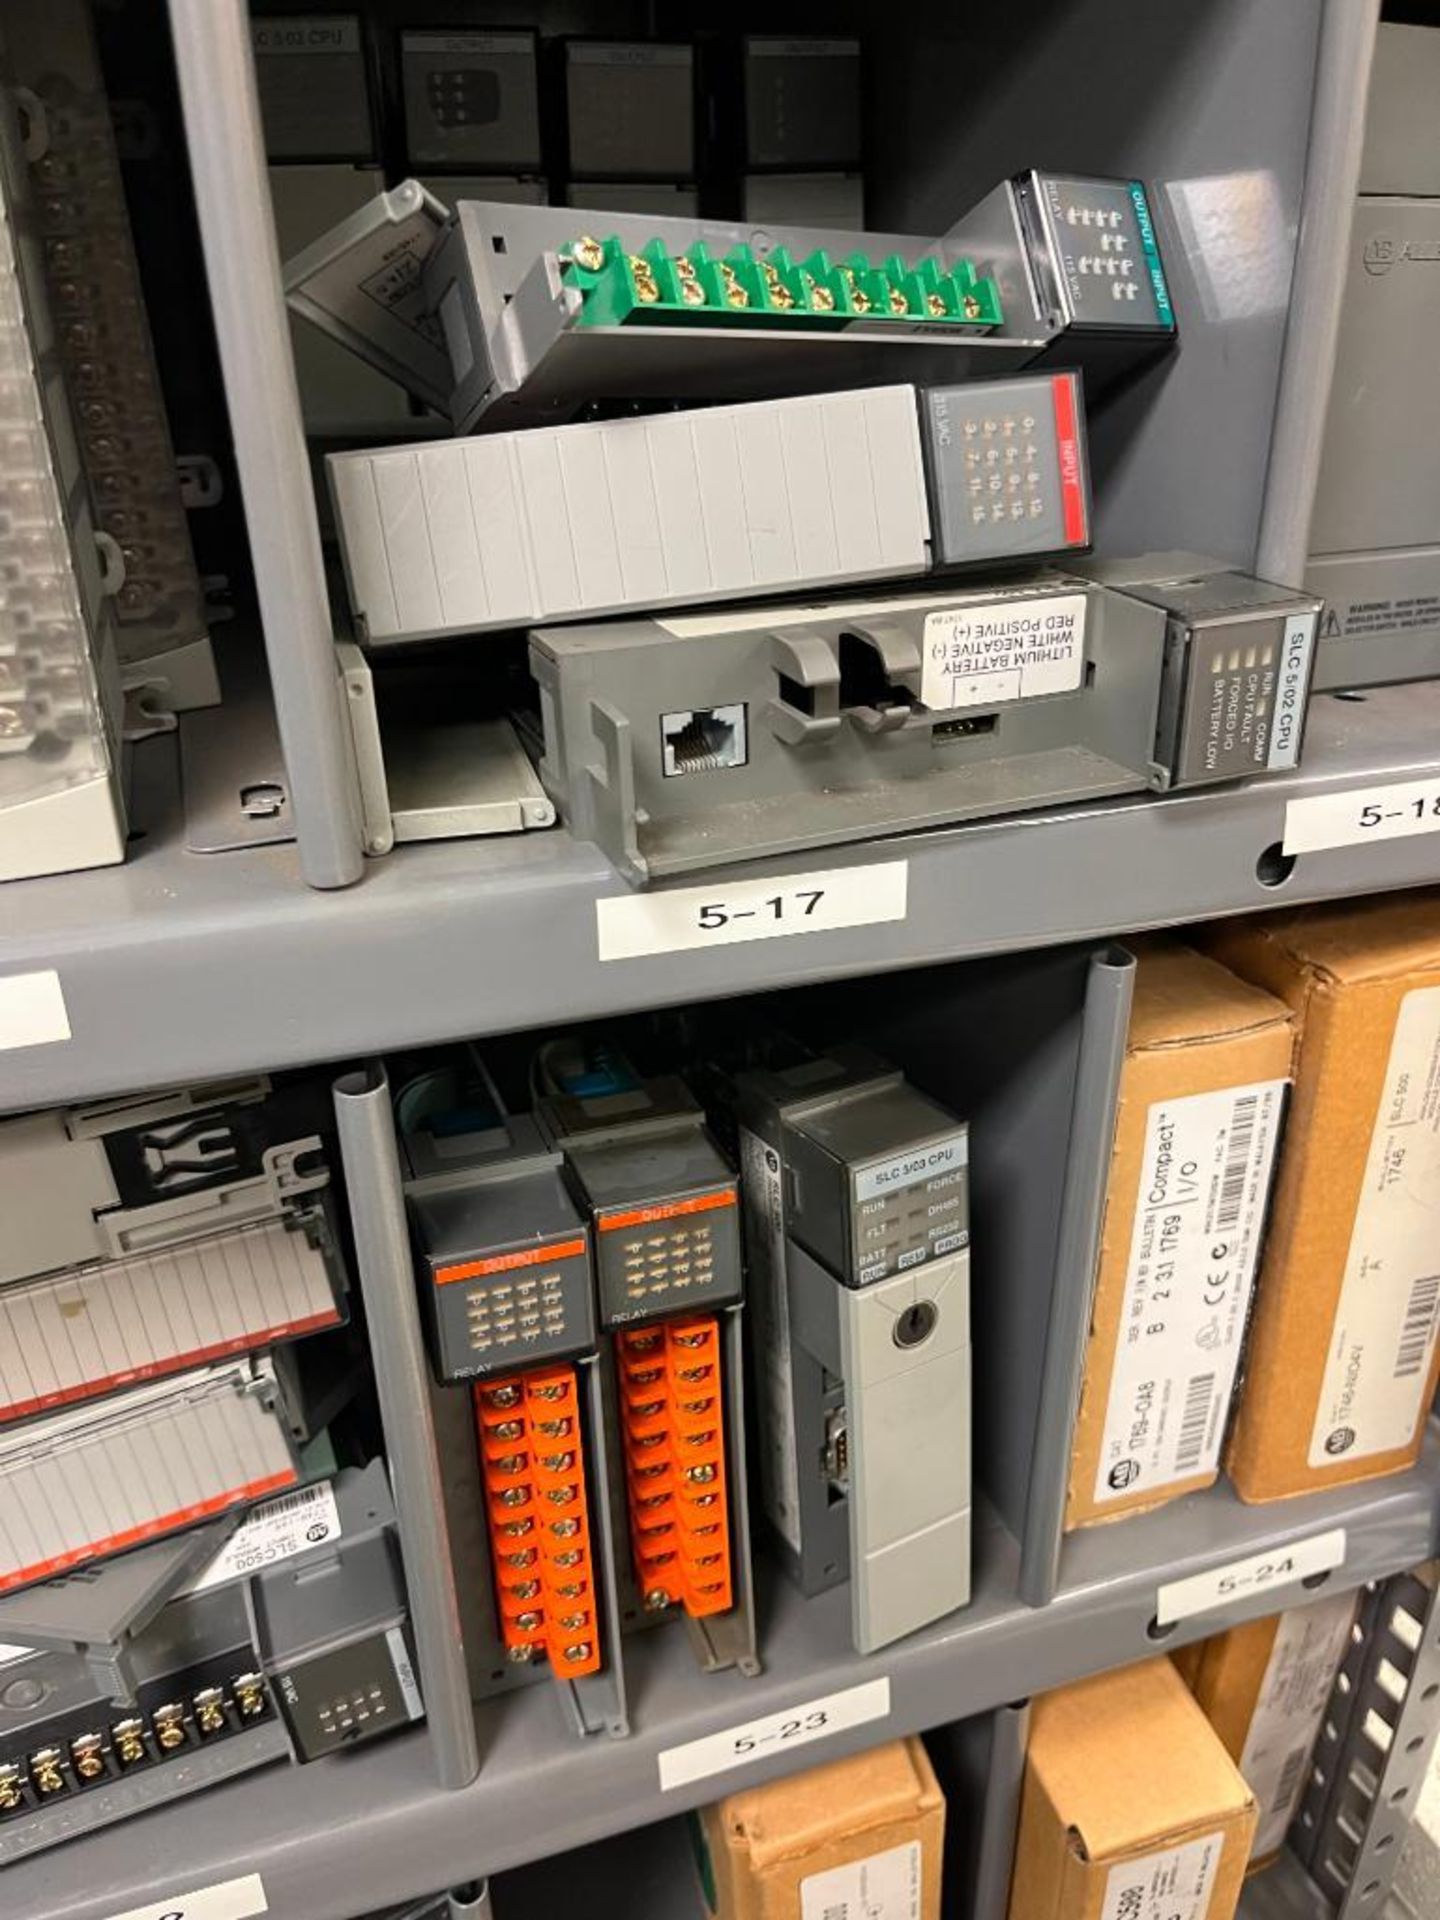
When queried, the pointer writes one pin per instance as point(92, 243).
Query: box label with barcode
point(1199, 1215)
point(1382, 1343)
point(1305, 1656)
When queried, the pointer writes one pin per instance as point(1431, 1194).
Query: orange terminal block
point(532, 1460)
point(672, 1418)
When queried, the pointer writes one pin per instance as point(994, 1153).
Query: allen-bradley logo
point(1383, 251)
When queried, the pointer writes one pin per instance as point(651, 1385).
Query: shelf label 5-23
point(774, 1733)
point(242, 1899)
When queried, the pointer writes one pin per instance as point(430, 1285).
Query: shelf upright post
point(382, 1250)
point(1106, 1019)
point(1317, 286)
point(216, 70)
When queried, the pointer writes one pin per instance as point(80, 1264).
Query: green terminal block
point(658, 287)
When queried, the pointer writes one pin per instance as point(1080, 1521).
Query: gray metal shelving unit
point(226, 962)
point(181, 965)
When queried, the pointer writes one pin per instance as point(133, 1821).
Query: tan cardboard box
point(1202, 1100)
point(1131, 1807)
point(1264, 1688)
point(859, 1839)
point(1343, 1360)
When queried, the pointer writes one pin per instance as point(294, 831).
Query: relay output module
point(527, 313)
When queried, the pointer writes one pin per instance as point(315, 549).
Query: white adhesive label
point(1293, 678)
point(769, 1306)
point(902, 1170)
point(729, 911)
point(1199, 1218)
point(32, 1010)
point(1174, 1884)
point(240, 1899)
point(1003, 650)
point(1363, 815)
point(1310, 1643)
point(775, 1733)
point(1257, 1573)
point(404, 1672)
point(883, 1886)
point(276, 1530)
point(1383, 1338)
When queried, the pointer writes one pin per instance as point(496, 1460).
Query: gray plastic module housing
point(860, 1293)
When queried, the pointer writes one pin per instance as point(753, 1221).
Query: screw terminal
point(620, 288)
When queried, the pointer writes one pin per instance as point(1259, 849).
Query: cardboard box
point(1343, 1359)
point(859, 1839)
point(1131, 1806)
point(1202, 1100)
point(1264, 1687)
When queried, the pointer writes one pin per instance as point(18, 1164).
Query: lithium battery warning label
point(1003, 650)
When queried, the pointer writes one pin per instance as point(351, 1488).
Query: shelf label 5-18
point(728, 911)
point(242, 1899)
point(1363, 816)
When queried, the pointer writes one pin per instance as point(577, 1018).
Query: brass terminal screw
point(209, 1705)
point(587, 252)
point(45, 1770)
point(970, 307)
point(129, 1739)
point(502, 1397)
point(935, 306)
point(656, 1600)
point(249, 1695)
point(898, 302)
point(87, 1755)
point(169, 1727)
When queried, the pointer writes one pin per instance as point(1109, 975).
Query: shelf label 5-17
point(725, 912)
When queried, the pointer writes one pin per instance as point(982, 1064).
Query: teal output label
point(1152, 254)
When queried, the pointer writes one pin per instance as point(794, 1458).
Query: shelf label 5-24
point(1258, 1573)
